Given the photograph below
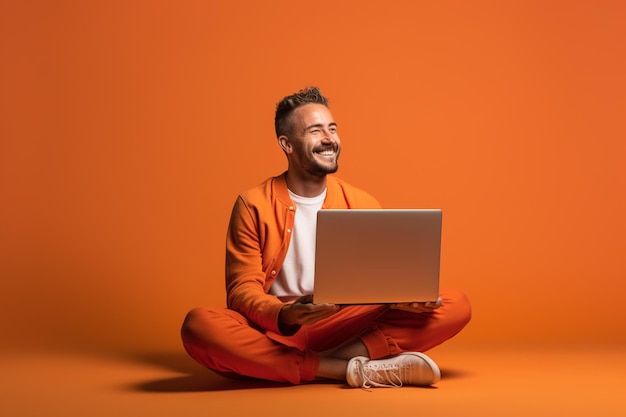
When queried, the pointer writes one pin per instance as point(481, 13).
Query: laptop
point(372, 256)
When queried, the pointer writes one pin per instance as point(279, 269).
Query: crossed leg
point(225, 341)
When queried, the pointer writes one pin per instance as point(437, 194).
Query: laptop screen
point(366, 256)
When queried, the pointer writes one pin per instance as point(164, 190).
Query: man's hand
point(302, 312)
point(423, 307)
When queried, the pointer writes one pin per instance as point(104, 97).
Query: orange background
point(128, 128)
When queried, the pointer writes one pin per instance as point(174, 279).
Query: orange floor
point(476, 382)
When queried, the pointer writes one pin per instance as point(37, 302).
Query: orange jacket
point(257, 240)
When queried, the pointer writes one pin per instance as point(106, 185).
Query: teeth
point(327, 153)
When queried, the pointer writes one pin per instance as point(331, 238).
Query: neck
point(310, 186)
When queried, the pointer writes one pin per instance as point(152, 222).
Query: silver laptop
point(370, 256)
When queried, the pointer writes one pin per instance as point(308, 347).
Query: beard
point(319, 169)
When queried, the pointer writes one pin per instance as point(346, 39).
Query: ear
point(285, 144)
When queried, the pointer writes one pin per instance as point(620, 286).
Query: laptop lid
point(371, 256)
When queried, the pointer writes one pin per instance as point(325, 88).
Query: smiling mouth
point(326, 152)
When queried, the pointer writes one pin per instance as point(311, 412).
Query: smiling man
point(312, 146)
point(271, 329)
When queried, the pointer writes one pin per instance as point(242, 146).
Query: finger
point(304, 310)
point(434, 304)
point(410, 309)
point(417, 307)
point(402, 306)
point(325, 310)
point(305, 299)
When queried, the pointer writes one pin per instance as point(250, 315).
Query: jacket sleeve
point(245, 277)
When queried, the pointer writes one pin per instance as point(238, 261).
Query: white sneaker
point(408, 368)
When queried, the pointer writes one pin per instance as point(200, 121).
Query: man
point(271, 330)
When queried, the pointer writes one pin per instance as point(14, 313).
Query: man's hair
point(284, 109)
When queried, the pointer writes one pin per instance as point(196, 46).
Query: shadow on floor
point(198, 383)
point(195, 378)
point(448, 373)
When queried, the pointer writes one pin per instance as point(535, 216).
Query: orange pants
point(226, 342)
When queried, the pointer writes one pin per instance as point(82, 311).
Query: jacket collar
point(282, 192)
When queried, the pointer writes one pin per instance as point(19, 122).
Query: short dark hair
point(287, 105)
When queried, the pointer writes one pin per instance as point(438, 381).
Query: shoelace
point(388, 373)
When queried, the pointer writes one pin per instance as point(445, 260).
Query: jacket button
point(274, 272)
point(291, 208)
point(288, 230)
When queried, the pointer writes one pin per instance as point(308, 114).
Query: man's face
point(313, 145)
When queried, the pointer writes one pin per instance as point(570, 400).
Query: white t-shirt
point(296, 276)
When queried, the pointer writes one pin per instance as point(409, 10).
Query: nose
point(328, 136)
